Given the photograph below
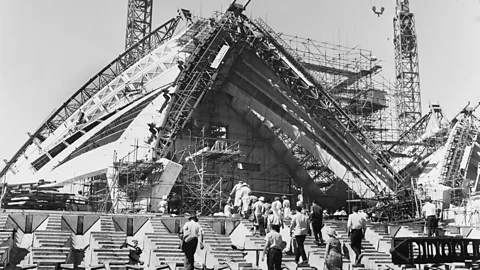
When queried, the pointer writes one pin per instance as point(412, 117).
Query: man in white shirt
point(227, 210)
point(273, 247)
point(237, 193)
point(245, 198)
point(356, 227)
point(273, 219)
point(191, 235)
point(287, 212)
point(299, 229)
point(260, 220)
point(277, 206)
point(163, 205)
point(429, 211)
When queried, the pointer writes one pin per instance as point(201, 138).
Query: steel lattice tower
point(406, 66)
point(139, 21)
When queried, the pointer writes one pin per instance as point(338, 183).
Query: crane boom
point(406, 67)
point(139, 21)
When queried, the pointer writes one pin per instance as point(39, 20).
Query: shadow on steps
point(17, 255)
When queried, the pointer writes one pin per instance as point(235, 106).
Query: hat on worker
point(262, 199)
point(194, 218)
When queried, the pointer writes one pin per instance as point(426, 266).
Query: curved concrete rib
point(246, 103)
point(257, 71)
point(252, 76)
point(297, 172)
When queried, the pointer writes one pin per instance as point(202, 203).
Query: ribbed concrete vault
point(250, 83)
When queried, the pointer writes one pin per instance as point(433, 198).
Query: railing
point(423, 250)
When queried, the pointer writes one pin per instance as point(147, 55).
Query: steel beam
point(423, 250)
point(160, 35)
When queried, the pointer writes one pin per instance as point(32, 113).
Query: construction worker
point(299, 229)
point(277, 207)
point(259, 218)
point(356, 227)
point(192, 235)
point(316, 217)
point(429, 211)
point(237, 193)
point(287, 211)
point(245, 198)
point(227, 210)
point(163, 205)
point(273, 248)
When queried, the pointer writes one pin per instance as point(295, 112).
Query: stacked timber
point(37, 196)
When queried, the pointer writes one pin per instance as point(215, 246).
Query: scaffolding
point(348, 74)
point(209, 168)
point(460, 144)
point(130, 187)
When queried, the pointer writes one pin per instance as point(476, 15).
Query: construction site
point(197, 104)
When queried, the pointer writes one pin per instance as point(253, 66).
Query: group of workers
point(269, 218)
point(299, 229)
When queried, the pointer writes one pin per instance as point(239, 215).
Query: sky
point(50, 48)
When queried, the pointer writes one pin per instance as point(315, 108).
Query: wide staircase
point(50, 248)
point(7, 240)
point(54, 222)
point(315, 253)
point(220, 248)
point(165, 246)
point(373, 257)
point(106, 245)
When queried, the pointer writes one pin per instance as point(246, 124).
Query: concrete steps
point(107, 246)
point(165, 244)
point(52, 239)
point(48, 257)
point(3, 221)
point(106, 224)
point(372, 258)
point(54, 222)
point(220, 246)
point(51, 246)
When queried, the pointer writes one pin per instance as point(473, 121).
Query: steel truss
point(406, 67)
point(209, 168)
point(199, 76)
point(320, 106)
point(160, 35)
point(139, 22)
point(347, 74)
point(320, 173)
point(465, 132)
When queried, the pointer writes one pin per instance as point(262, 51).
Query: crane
point(406, 68)
point(139, 21)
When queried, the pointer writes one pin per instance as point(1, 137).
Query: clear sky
point(50, 48)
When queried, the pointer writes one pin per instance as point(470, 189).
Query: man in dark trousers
point(429, 211)
point(356, 227)
point(316, 217)
point(191, 235)
point(273, 248)
point(298, 229)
